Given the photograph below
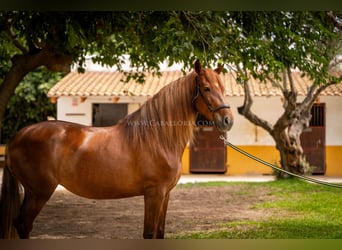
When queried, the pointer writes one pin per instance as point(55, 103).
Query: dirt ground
point(190, 209)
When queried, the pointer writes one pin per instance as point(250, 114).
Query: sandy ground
point(190, 209)
point(67, 216)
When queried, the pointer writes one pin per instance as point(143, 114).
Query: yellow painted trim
point(333, 159)
point(2, 149)
point(239, 164)
point(186, 161)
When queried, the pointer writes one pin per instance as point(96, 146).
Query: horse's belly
point(93, 190)
point(103, 183)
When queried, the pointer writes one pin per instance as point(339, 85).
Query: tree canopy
point(271, 40)
point(261, 43)
point(29, 104)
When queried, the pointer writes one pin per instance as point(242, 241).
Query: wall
point(244, 132)
point(333, 131)
point(249, 137)
point(333, 135)
point(73, 109)
point(258, 142)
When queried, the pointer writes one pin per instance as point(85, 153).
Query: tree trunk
point(287, 133)
point(11, 81)
point(290, 152)
point(22, 65)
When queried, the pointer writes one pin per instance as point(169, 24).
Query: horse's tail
point(9, 203)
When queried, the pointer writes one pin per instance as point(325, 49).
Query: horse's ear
point(219, 69)
point(198, 66)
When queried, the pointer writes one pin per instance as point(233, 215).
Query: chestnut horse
point(141, 155)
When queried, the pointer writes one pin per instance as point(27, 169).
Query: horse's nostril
point(226, 121)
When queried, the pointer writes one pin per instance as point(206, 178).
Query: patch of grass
point(300, 210)
point(272, 229)
point(243, 191)
point(205, 184)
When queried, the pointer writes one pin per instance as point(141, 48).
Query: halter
point(197, 92)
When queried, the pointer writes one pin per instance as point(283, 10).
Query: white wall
point(270, 109)
point(246, 133)
point(333, 119)
point(243, 132)
point(72, 109)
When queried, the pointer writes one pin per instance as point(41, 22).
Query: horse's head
point(209, 97)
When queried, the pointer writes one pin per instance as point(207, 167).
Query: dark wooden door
point(313, 139)
point(208, 152)
point(108, 114)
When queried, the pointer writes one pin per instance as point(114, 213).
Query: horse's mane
point(164, 121)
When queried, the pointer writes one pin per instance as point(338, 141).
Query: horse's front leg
point(156, 203)
point(160, 232)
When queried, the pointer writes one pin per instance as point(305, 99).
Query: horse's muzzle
point(224, 122)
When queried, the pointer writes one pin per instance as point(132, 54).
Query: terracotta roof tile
point(94, 83)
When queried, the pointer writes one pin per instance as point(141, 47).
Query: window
point(108, 114)
point(317, 115)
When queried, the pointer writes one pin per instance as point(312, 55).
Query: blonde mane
point(166, 120)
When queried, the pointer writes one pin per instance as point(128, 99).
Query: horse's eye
point(206, 89)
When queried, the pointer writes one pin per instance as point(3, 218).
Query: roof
point(97, 83)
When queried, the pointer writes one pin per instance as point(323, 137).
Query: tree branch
point(292, 85)
point(335, 62)
point(23, 64)
point(313, 92)
point(16, 42)
point(274, 83)
point(336, 23)
point(290, 103)
point(245, 110)
point(323, 87)
point(284, 81)
point(192, 21)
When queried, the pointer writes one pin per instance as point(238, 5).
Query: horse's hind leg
point(31, 206)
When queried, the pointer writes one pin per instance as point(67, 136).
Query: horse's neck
point(180, 103)
point(175, 114)
point(182, 114)
point(166, 121)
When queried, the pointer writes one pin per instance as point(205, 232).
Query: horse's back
point(35, 140)
point(93, 162)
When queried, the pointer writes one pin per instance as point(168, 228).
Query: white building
point(99, 97)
